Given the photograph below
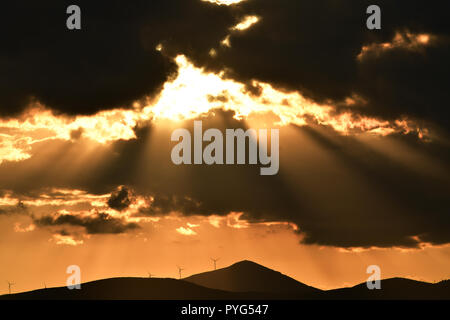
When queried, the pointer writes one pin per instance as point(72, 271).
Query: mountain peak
point(247, 264)
point(249, 276)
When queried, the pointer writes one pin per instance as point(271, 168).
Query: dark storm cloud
point(110, 62)
point(100, 223)
point(339, 190)
point(166, 204)
point(312, 46)
point(120, 199)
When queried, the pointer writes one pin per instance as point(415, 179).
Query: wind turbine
point(9, 286)
point(149, 274)
point(179, 270)
point(215, 262)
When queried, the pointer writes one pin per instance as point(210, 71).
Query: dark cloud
point(100, 223)
point(120, 199)
point(312, 46)
point(297, 45)
point(110, 62)
point(166, 204)
point(76, 134)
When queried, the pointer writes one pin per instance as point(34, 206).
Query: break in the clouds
point(120, 199)
point(125, 51)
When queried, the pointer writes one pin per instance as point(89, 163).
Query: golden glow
point(168, 239)
point(423, 38)
point(38, 124)
point(66, 240)
point(189, 241)
point(215, 221)
point(13, 149)
point(192, 93)
point(8, 200)
point(66, 197)
point(213, 52)
point(224, 2)
point(103, 127)
point(82, 204)
point(195, 92)
point(158, 248)
point(226, 42)
point(246, 23)
point(186, 231)
point(19, 228)
point(405, 40)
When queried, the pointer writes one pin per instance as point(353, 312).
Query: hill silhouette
point(128, 289)
point(243, 280)
point(395, 288)
point(248, 276)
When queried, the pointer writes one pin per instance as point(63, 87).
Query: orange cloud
point(186, 231)
point(66, 240)
point(404, 40)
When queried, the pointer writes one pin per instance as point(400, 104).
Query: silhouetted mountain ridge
point(128, 289)
point(245, 280)
point(395, 288)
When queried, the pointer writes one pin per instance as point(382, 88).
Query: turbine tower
point(149, 274)
point(215, 262)
point(10, 284)
point(179, 270)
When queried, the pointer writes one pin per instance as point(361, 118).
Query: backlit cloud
point(402, 40)
point(186, 231)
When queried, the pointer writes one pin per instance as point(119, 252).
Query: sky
point(86, 118)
